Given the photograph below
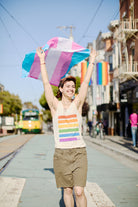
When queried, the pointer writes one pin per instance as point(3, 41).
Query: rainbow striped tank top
point(67, 127)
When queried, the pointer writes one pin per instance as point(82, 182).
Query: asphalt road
point(33, 165)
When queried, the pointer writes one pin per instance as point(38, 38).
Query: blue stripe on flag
point(28, 61)
point(78, 57)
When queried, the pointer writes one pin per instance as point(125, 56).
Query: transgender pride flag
point(61, 55)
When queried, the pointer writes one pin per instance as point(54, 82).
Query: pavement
point(29, 179)
point(117, 144)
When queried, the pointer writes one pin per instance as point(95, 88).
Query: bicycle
point(100, 130)
point(102, 133)
point(94, 131)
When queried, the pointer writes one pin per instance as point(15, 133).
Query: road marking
point(96, 196)
point(10, 191)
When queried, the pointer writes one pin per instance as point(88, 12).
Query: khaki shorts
point(70, 167)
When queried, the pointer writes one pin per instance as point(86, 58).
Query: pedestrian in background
point(90, 127)
point(105, 124)
point(134, 124)
point(70, 157)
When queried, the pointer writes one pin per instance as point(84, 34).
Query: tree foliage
point(11, 103)
point(29, 105)
point(77, 84)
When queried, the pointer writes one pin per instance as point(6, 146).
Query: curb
point(132, 157)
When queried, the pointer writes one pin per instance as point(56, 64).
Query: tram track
point(9, 148)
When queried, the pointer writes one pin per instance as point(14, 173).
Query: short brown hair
point(62, 82)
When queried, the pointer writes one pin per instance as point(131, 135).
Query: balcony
point(128, 71)
point(127, 29)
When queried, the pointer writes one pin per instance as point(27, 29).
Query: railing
point(131, 68)
point(129, 25)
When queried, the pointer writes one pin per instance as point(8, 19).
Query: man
point(70, 158)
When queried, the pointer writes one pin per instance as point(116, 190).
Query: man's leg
point(81, 200)
point(68, 197)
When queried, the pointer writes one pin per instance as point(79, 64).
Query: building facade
point(116, 101)
point(128, 62)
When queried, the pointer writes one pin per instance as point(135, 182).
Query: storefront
point(128, 102)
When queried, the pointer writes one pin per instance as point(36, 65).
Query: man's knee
point(68, 191)
point(79, 191)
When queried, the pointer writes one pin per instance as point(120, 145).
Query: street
point(33, 166)
point(117, 180)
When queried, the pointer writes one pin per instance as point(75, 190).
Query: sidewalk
point(117, 144)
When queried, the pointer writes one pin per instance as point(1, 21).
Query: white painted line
point(10, 191)
point(96, 196)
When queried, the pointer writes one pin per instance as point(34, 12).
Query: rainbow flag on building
point(84, 66)
point(102, 73)
point(61, 55)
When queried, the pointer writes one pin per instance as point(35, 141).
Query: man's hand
point(40, 52)
point(93, 55)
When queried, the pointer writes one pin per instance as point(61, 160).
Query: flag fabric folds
point(61, 54)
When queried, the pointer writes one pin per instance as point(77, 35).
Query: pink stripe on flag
point(53, 42)
point(76, 46)
point(35, 68)
point(61, 67)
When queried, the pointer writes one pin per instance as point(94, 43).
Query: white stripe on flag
point(54, 55)
point(51, 61)
point(64, 45)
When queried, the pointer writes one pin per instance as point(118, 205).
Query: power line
point(94, 15)
point(19, 24)
point(9, 35)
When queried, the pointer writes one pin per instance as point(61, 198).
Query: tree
point(29, 105)
point(11, 103)
point(77, 84)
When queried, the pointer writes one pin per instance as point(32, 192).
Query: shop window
point(133, 54)
point(110, 63)
point(111, 93)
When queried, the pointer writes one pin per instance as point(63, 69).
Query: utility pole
point(94, 90)
point(70, 28)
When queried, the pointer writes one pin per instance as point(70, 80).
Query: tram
point(32, 121)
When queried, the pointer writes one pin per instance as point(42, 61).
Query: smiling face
point(68, 89)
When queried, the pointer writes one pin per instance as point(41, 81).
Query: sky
point(28, 24)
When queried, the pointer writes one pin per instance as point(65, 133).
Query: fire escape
point(127, 36)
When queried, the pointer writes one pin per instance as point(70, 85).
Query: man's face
point(68, 89)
